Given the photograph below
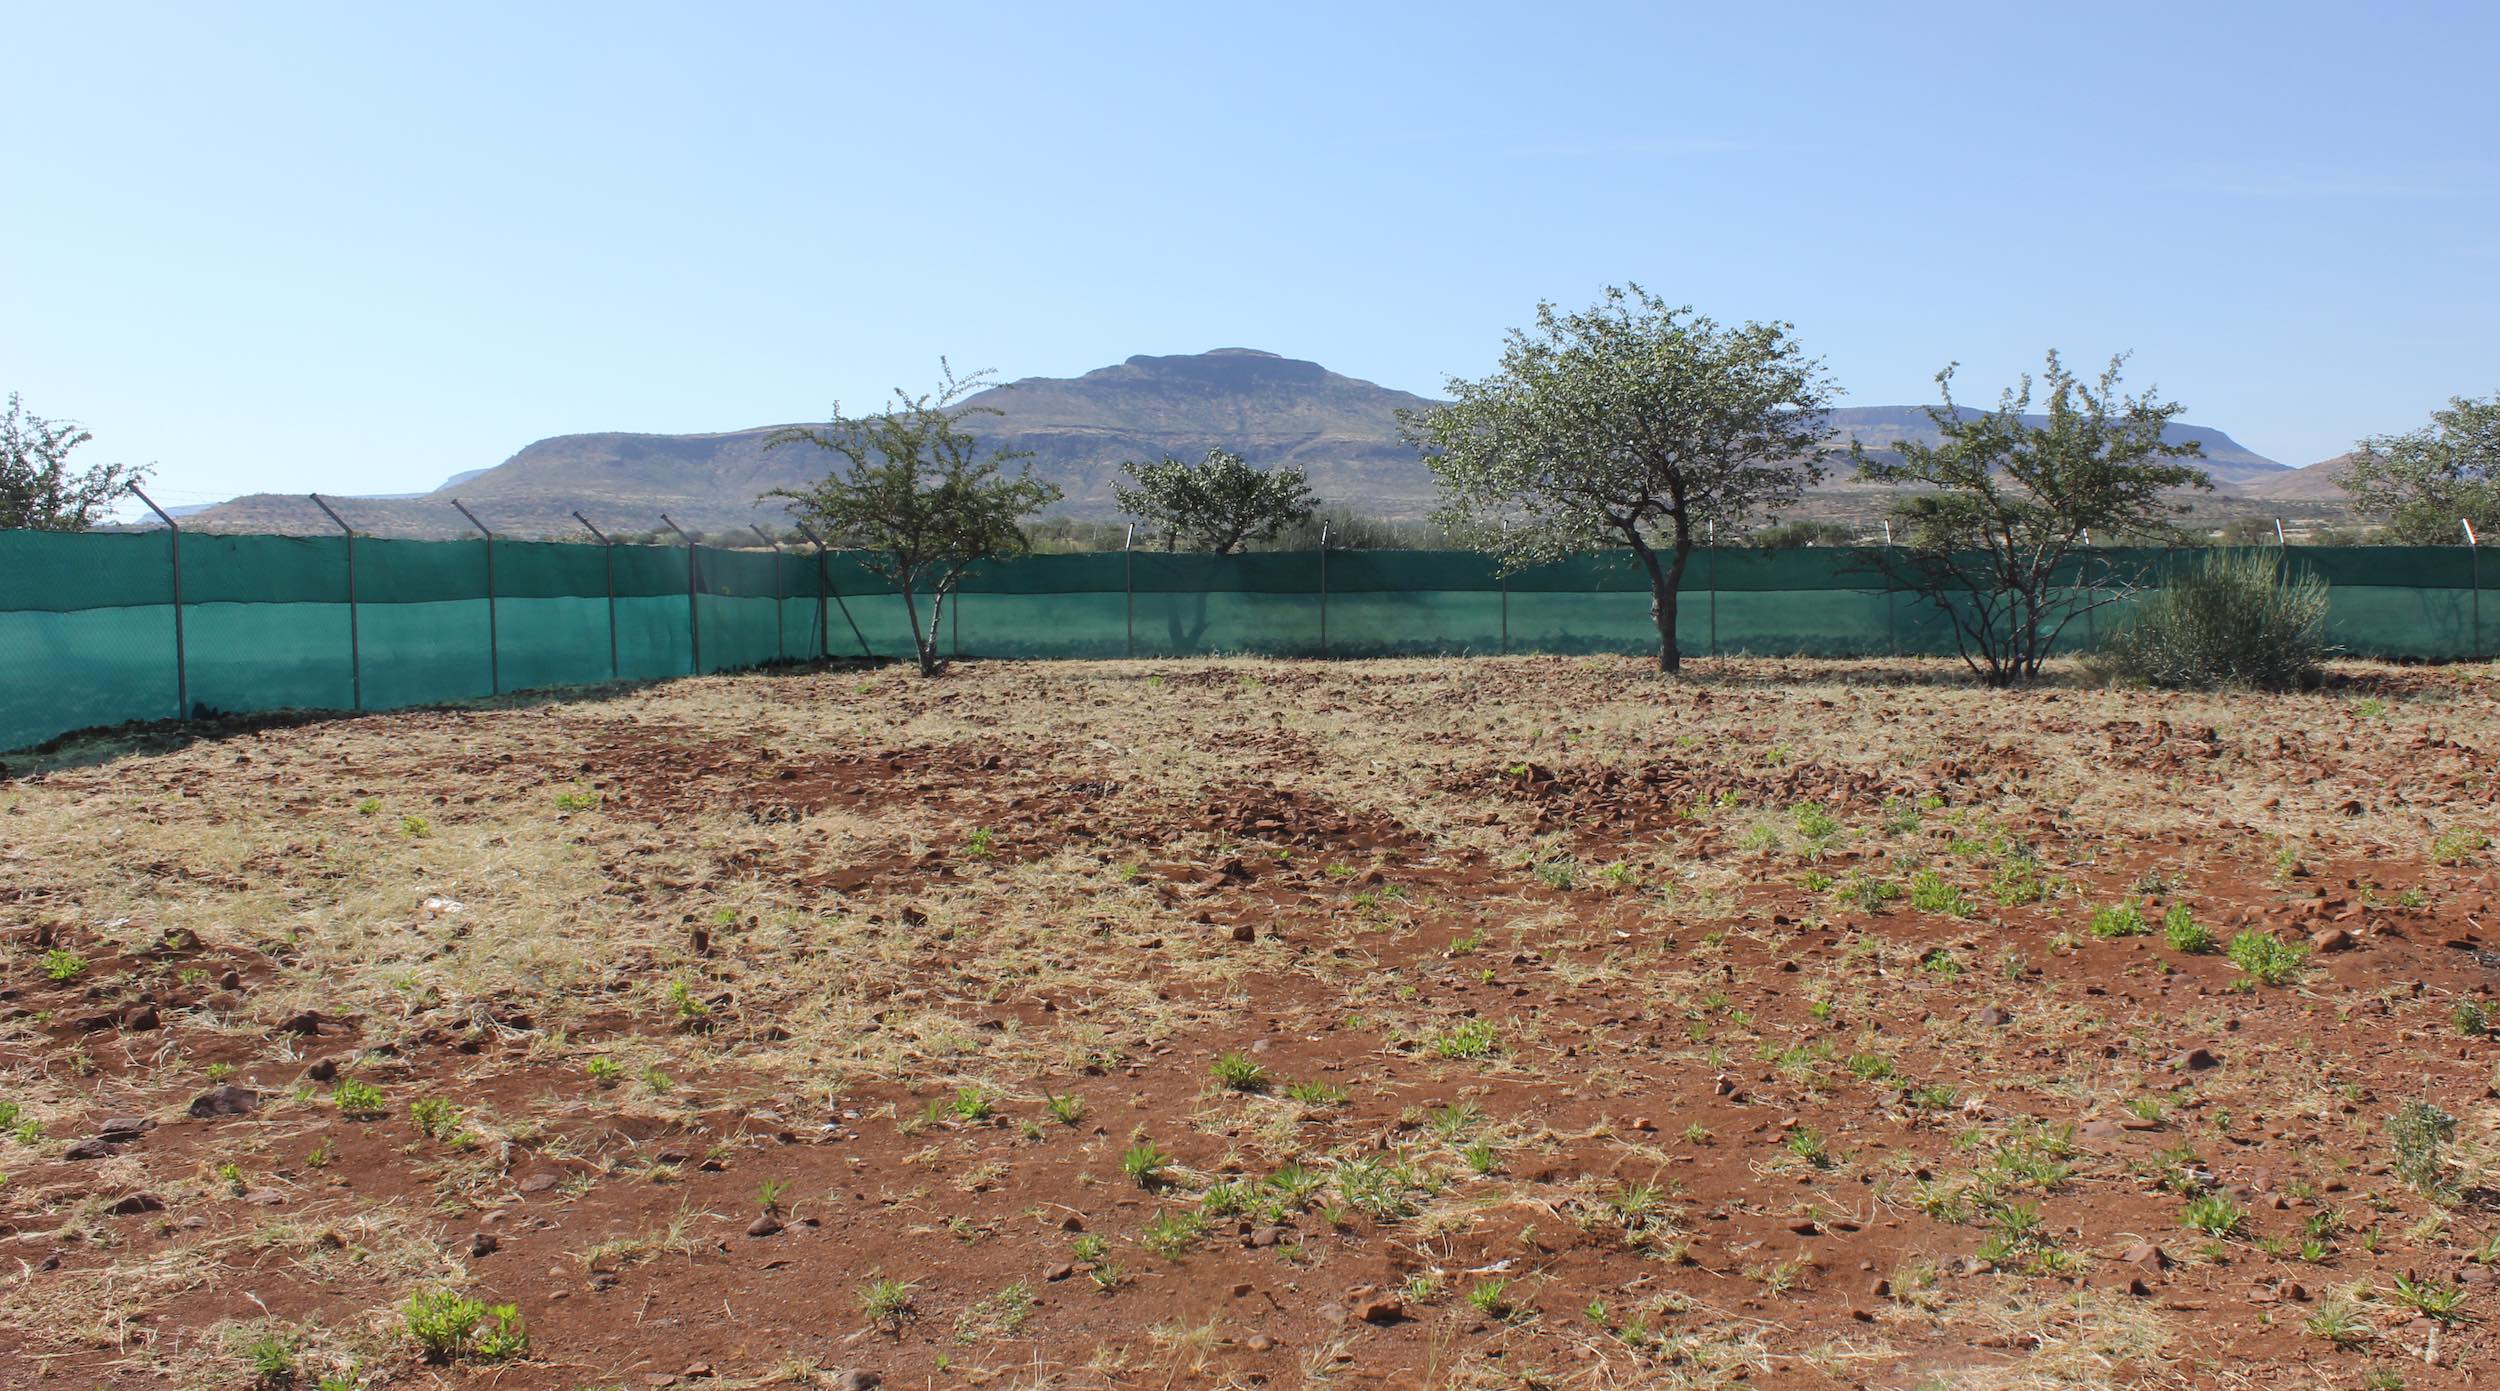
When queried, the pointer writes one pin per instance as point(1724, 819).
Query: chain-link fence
point(101, 628)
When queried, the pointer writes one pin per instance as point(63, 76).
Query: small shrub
point(2446, 1303)
point(1317, 1093)
point(1814, 823)
point(2268, 958)
point(435, 1118)
point(1144, 1162)
point(1474, 1039)
point(2339, 1323)
point(2473, 1020)
point(2419, 1133)
point(1067, 1110)
point(689, 1007)
point(2213, 1214)
point(2119, 920)
point(61, 966)
point(1869, 892)
point(1809, 1146)
point(2233, 619)
point(1929, 893)
point(1171, 1234)
point(447, 1327)
point(887, 1303)
point(357, 1100)
point(970, 1105)
point(272, 1357)
point(2180, 928)
point(1237, 1072)
point(2458, 844)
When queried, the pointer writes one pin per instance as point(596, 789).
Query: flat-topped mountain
point(1080, 430)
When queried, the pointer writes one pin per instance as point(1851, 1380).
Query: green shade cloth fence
point(90, 634)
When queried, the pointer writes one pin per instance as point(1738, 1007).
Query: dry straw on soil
point(1492, 1023)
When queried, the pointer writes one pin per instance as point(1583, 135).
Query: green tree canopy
point(916, 491)
point(2001, 505)
point(1220, 505)
point(2420, 483)
point(38, 490)
point(1632, 423)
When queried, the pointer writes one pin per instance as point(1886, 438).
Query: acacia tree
point(1629, 424)
point(917, 493)
point(37, 489)
point(1218, 506)
point(2421, 482)
point(2003, 504)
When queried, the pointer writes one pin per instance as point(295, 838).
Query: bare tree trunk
point(923, 641)
point(1662, 593)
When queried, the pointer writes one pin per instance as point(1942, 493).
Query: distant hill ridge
point(1080, 430)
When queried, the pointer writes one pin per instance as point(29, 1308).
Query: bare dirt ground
point(1443, 1024)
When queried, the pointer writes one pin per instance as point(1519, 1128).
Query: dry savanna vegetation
point(1495, 1023)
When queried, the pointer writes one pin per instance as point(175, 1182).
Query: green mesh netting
point(88, 624)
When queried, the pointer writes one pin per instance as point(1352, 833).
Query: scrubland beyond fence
point(102, 628)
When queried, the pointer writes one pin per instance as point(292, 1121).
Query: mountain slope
point(2319, 482)
point(1078, 430)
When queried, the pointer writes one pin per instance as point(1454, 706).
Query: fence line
point(254, 620)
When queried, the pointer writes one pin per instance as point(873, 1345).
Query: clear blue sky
point(362, 247)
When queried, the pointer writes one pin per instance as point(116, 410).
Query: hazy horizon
point(361, 251)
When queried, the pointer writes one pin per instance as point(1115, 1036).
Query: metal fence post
point(694, 605)
point(2091, 627)
point(2474, 558)
point(1128, 583)
point(355, 648)
point(182, 664)
point(1323, 591)
point(1711, 536)
point(780, 642)
point(608, 548)
point(1504, 576)
point(1892, 625)
point(494, 637)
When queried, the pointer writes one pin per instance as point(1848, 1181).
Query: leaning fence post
point(694, 606)
point(824, 572)
point(779, 642)
point(182, 665)
point(494, 641)
point(355, 651)
point(2474, 558)
point(609, 547)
